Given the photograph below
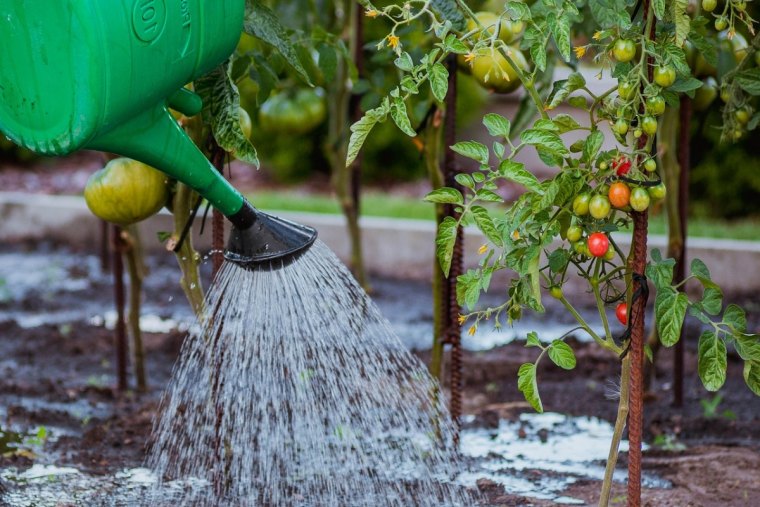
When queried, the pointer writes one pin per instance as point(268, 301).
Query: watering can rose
point(126, 191)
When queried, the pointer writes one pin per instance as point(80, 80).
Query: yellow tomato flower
point(371, 13)
point(469, 57)
point(483, 249)
point(462, 319)
point(580, 51)
point(597, 35)
point(393, 41)
point(472, 330)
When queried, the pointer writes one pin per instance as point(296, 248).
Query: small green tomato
point(721, 23)
point(664, 75)
point(655, 105)
point(581, 204)
point(639, 199)
point(658, 192)
point(709, 5)
point(649, 124)
point(650, 165)
point(574, 233)
point(599, 206)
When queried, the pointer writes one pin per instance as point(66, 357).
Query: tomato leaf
point(747, 346)
point(562, 355)
point(546, 139)
point(473, 150)
point(264, 24)
point(610, 13)
point(449, 10)
point(563, 88)
point(735, 316)
point(659, 8)
point(560, 28)
point(361, 129)
point(445, 195)
point(516, 172)
point(401, 117)
point(447, 235)
point(749, 80)
point(660, 271)
point(712, 362)
point(526, 383)
point(221, 105)
point(565, 123)
point(485, 223)
point(670, 311)
point(439, 81)
point(592, 146)
point(532, 340)
point(752, 376)
point(681, 20)
point(712, 300)
point(497, 125)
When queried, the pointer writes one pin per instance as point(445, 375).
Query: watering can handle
point(155, 138)
point(186, 102)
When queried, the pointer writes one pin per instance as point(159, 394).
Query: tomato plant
point(646, 53)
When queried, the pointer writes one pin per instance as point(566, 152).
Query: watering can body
point(97, 74)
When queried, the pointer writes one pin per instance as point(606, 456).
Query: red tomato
point(598, 243)
point(621, 312)
point(621, 165)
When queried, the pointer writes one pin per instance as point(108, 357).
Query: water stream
point(296, 391)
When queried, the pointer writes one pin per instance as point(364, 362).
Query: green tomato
point(709, 5)
point(725, 94)
point(655, 105)
point(599, 206)
point(650, 165)
point(574, 233)
point(626, 90)
point(581, 204)
point(664, 75)
point(639, 199)
point(743, 115)
point(610, 253)
point(637, 133)
point(721, 23)
point(292, 112)
point(649, 124)
point(621, 126)
point(658, 192)
point(624, 50)
point(740, 5)
point(556, 292)
point(494, 72)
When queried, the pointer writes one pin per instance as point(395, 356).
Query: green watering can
point(99, 74)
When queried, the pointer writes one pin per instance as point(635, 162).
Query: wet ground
point(65, 432)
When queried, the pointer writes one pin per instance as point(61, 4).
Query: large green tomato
point(599, 206)
point(655, 105)
point(624, 50)
point(126, 191)
point(581, 203)
point(705, 95)
point(640, 199)
point(509, 30)
point(295, 114)
point(494, 72)
point(664, 75)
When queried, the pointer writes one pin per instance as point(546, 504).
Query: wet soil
point(60, 375)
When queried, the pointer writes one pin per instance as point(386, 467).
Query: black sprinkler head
point(262, 241)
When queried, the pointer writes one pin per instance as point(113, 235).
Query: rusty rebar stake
point(684, 161)
point(120, 329)
point(451, 306)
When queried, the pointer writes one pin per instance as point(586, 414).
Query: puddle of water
point(567, 447)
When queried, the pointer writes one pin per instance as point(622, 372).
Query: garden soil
point(60, 375)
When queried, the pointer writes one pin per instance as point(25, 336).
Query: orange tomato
point(619, 194)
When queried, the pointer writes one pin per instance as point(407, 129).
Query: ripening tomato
point(639, 199)
point(574, 233)
point(599, 206)
point(621, 165)
point(621, 312)
point(655, 105)
point(624, 50)
point(598, 243)
point(664, 75)
point(658, 192)
point(581, 204)
point(619, 194)
point(649, 124)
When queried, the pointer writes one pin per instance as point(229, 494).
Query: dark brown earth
point(48, 368)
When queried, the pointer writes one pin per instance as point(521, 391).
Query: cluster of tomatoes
point(487, 65)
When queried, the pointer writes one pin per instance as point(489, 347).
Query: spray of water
point(296, 392)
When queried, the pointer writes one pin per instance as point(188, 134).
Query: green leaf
point(565, 123)
point(445, 195)
point(439, 81)
point(705, 47)
point(736, 318)
point(361, 129)
point(468, 288)
point(700, 271)
point(485, 223)
point(712, 300)
point(404, 62)
point(747, 346)
point(449, 10)
point(752, 376)
point(263, 24)
point(592, 146)
point(497, 125)
point(221, 105)
point(681, 20)
point(560, 28)
point(660, 271)
point(670, 311)
point(712, 362)
point(473, 150)
point(447, 236)
point(546, 139)
point(659, 8)
point(686, 85)
point(486, 195)
point(526, 383)
point(562, 355)
point(453, 45)
point(516, 172)
point(400, 116)
point(328, 61)
point(610, 13)
point(532, 340)
point(563, 88)
point(749, 80)
point(558, 259)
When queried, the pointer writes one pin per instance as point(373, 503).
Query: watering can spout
point(257, 239)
